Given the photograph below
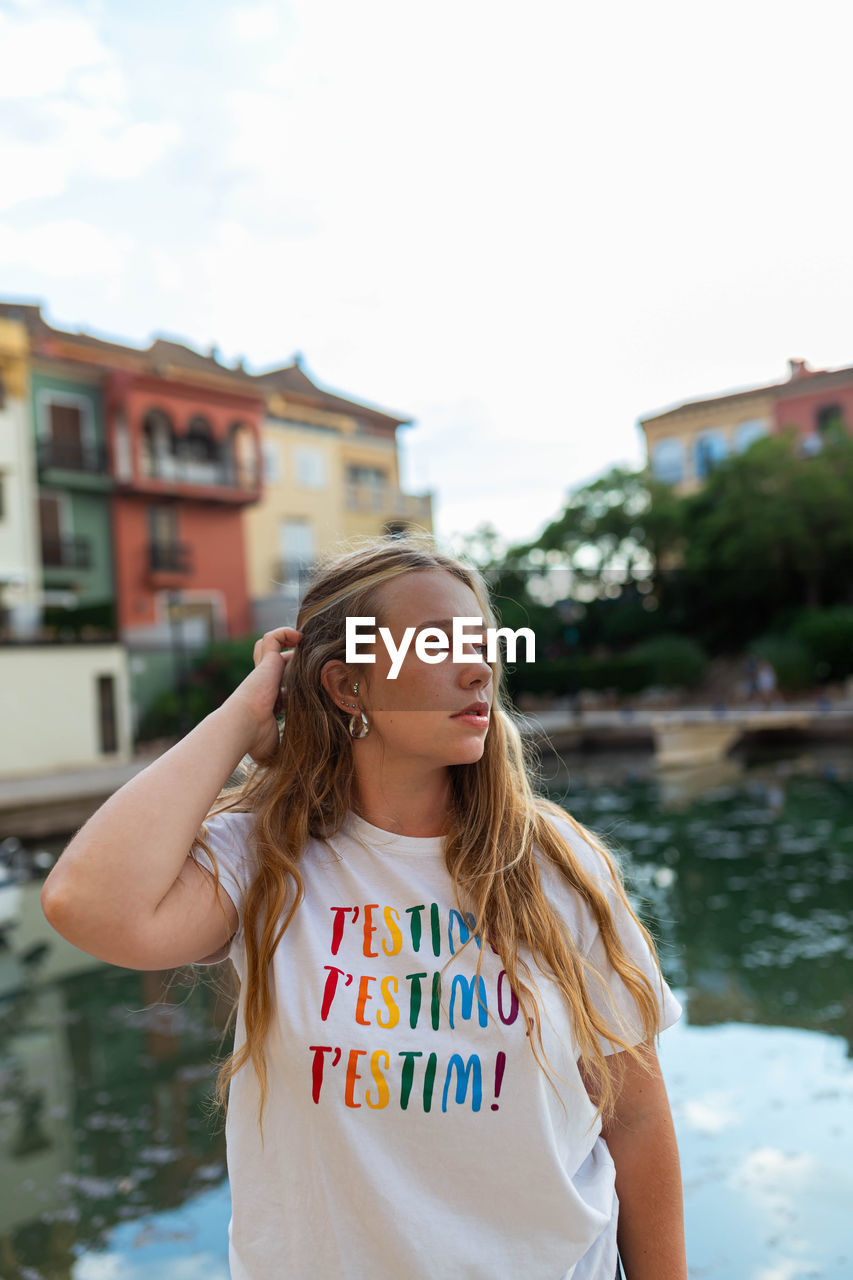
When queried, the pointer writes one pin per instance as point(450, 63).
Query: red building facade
point(814, 402)
point(185, 457)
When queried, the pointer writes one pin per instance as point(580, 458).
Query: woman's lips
point(479, 717)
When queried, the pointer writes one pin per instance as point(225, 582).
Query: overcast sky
point(522, 225)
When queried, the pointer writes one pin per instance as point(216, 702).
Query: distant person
point(765, 680)
point(444, 1049)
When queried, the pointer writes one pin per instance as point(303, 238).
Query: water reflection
point(107, 1149)
point(750, 883)
point(104, 1079)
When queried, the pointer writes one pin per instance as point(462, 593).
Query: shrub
point(671, 661)
point(828, 636)
point(209, 680)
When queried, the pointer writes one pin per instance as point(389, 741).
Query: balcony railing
point(66, 553)
point(388, 501)
point(197, 471)
point(170, 557)
point(72, 455)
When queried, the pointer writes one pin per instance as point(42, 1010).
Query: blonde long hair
point(494, 824)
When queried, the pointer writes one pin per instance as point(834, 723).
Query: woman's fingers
point(281, 638)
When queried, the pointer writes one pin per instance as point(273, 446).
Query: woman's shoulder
point(586, 857)
point(229, 826)
point(230, 837)
point(583, 846)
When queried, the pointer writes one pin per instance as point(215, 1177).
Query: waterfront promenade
point(58, 803)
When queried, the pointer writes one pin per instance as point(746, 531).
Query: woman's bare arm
point(641, 1140)
point(113, 880)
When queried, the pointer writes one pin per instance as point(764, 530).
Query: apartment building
point(684, 443)
point(331, 472)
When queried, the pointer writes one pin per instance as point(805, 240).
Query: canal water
point(112, 1163)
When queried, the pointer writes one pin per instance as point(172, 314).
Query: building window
point(66, 424)
point(199, 454)
point(830, 420)
point(67, 434)
point(107, 715)
point(747, 432)
point(198, 444)
point(367, 488)
point(708, 452)
point(60, 549)
point(310, 468)
point(296, 549)
point(271, 457)
point(668, 461)
point(163, 527)
point(165, 552)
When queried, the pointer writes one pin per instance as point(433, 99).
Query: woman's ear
point(337, 680)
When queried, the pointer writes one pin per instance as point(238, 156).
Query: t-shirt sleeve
point(606, 988)
point(230, 837)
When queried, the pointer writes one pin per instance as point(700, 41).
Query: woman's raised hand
point(260, 694)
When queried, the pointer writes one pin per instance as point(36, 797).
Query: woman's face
point(418, 713)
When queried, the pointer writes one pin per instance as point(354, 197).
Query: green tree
point(770, 532)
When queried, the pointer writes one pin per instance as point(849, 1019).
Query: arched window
point(708, 451)
point(198, 443)
point(668, 460)
point(200, 453)
point(158, 445)
point(747, 432)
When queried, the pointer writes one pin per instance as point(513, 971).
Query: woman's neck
point(407, 805)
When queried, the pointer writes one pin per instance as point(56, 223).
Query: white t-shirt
point(409, 1131)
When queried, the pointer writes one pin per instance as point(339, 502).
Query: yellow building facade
point(330, 473)
point(684, 444)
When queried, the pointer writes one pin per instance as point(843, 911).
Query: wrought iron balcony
point(72, 455)
point(66, 553)
point(170, 557)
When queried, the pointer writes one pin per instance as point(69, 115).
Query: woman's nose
point(477, 670)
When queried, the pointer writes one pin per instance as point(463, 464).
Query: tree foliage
point(769, 535)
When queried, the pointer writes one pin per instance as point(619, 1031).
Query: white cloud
point(42, 50)
point(251, 23)
point(775, 1181)
point(71, 119)
point(788, 1269)
point(710, 1113)
point(99, 1266)
point(66, 249)
point(121, 1266)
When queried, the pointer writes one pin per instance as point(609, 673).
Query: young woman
point(444, 1059)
